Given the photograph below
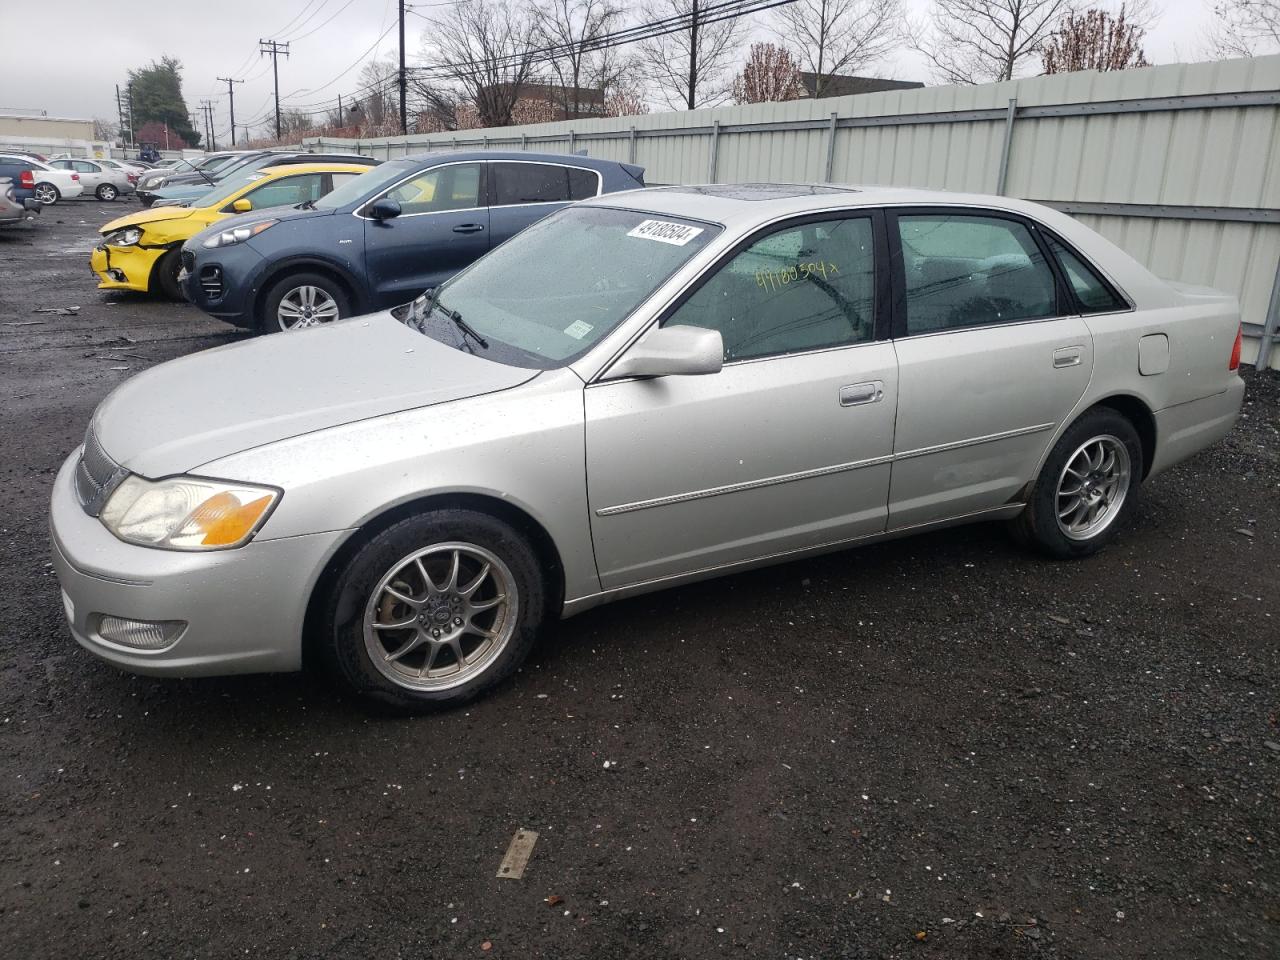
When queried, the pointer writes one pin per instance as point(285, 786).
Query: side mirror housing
point(672, 351)
point(243, 205)
point(384, 208)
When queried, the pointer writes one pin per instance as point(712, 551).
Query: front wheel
point(47, 193)
point(1085, 489)
point(302, 300)
point(164, 276)
point(107, 192)
point(434, 611)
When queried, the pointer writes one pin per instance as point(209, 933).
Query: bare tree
point(840, 36)
point(624, 101)
point(105, 129)
point(771, 74)
point(377, 98)
point(1093, 40)
point(977, 41)
point(573, 28)
point(1244, 28)
point(690, 67)
point(486, 50)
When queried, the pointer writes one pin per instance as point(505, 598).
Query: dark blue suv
point(383, 237)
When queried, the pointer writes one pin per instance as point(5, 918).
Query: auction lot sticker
point(664, 231)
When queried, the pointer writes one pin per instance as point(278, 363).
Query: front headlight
point(237, 234)
point(187, 513)
point(151, 182)
point(124, 238)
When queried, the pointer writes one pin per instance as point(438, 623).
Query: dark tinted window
point(1095, 296)
point(966, 271)
point(802, 288)
point(539, 183)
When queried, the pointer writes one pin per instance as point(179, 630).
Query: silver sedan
point(642, 390)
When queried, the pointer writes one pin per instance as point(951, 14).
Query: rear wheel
point(1085, 489)
point(434, 611)
point(107, 192)
point(302, 300)
point(164, 275)
point(47, 193)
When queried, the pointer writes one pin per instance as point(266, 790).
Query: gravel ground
point(938, 747)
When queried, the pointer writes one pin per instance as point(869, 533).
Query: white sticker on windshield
point(578, 329)
point(664, 231)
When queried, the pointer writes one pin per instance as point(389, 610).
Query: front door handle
point(1067, 357)
point(856, 394)
point(468, 228)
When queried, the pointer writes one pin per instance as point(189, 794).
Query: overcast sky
point(73, 68)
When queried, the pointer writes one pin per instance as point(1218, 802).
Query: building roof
point(839, 85)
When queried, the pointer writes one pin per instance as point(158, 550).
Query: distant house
point(544, 102)
point(838, 85)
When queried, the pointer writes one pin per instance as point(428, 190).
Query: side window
point(530, 183)
point(83, 166)
point(452, 187)
point(62, 164)
point(583, 183)
point(1094, 294)
point(801, 288)
point(338, 179)
point(287, 191)
point(965, 271)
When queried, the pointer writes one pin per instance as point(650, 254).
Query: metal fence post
point(486, 142)
point(831, 148)
point(633, 145)
point(572, 139)
point(1003, 176)
point(1270, 325)
point(524, 141)
point(715, 149)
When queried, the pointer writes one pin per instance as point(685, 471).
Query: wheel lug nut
point(457, 621)
point(435, 633)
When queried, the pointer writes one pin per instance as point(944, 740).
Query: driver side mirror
point(672, 351)
point(384, 208)
point(243, 205)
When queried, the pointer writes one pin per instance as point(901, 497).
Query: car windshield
point(370, 182)
point(214, 163)
point(233, 184)
point(549, 294)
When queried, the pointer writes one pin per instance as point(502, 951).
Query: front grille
point(211, 282)
point(97, 475)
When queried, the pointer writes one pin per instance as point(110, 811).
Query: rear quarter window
point(1094, 293)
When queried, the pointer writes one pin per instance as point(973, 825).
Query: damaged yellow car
point(142, 251)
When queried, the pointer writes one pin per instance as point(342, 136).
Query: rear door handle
point(468, 228)
point(1067, 356)
point(856, 394)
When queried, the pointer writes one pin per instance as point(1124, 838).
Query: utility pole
point(210, 136)
point(339, 109)
point(231, 100)
point(275, 48)
point(404, 122)
point(693, 53)
point(133, 136)
point(120, 114)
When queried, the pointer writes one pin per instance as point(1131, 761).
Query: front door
point(787, 447)
point(443, 226)
point(990, 358)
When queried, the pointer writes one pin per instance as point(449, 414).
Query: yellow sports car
point(142, 251)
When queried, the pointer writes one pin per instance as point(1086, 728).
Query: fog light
point(116, 275)
point(140, 634)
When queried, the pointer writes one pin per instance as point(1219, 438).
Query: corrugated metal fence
point(1179, 164)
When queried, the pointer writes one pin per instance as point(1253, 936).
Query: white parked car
point(52, 184)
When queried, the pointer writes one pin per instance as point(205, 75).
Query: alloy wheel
point(46, 193)
point(1092, 487)
point(107, 192)
point(306, 306)
point(440, 616)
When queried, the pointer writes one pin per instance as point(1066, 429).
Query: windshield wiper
point(423, 306)
point(305, 205)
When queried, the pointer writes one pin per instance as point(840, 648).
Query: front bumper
point(238, 270)
point(124, 268)
point(244, 608)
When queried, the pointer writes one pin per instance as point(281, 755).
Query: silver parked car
point(644, 389)
point(104, 182)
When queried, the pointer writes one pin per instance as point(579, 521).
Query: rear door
point(522, 192)
point(991, 357)
point(443, 226)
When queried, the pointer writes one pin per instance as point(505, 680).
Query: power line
point(275, 48)
point(324, 24)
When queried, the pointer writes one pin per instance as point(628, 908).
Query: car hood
point(181, 414)
point(143, 217)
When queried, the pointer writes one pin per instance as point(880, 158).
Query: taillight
point(1234, 362)
point(75, 177)
point(27, 180)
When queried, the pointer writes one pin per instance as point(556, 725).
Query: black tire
point(344, 647)
point(164, 275)
point(106, 191)
point(47, 193)
point(1038, 525)
point(268, 320)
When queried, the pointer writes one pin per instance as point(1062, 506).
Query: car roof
point(568, 159)
point(325, 166)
